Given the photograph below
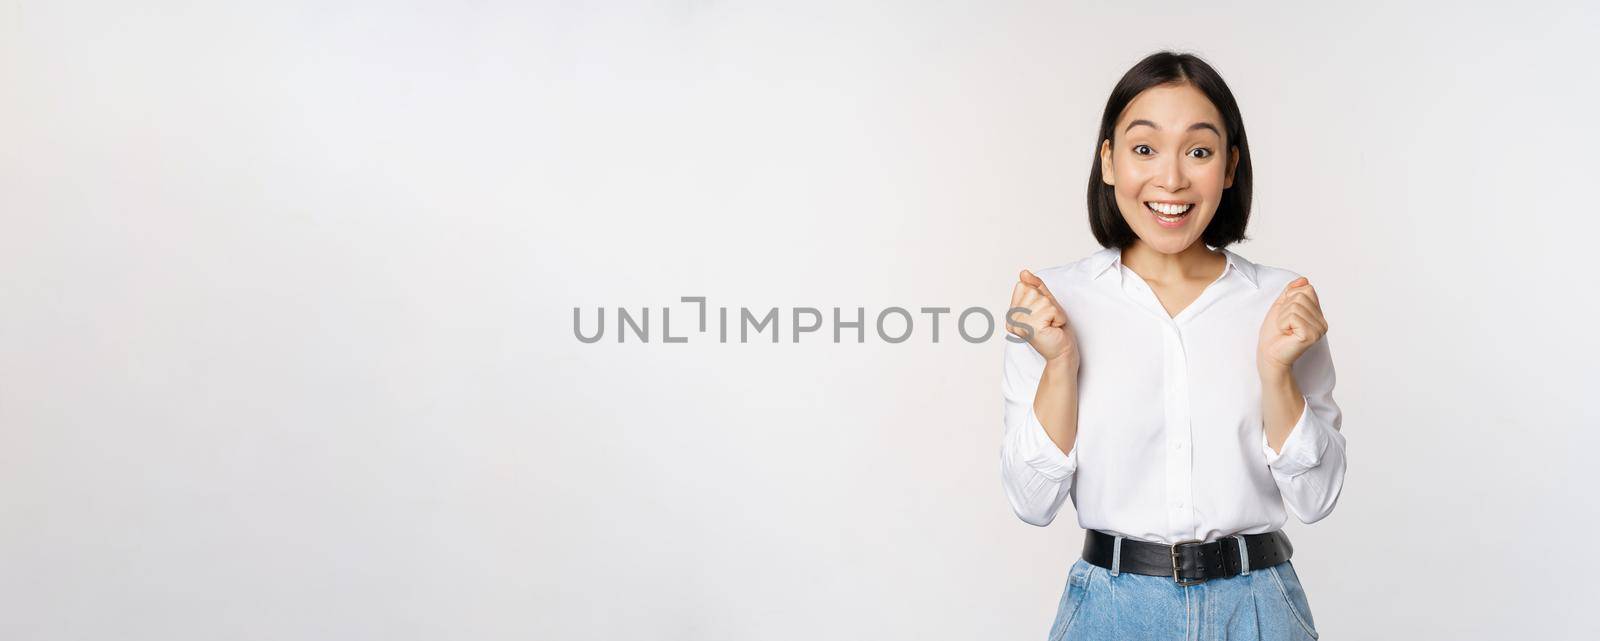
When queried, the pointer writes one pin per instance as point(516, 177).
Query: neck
point(1195, 263)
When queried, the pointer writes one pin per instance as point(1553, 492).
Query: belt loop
point(1116, 557)
point(1244, 556)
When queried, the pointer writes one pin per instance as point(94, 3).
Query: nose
point(1171, 175)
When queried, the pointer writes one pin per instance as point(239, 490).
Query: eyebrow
point(1198, 125)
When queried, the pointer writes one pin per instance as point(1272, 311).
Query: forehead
point(1173, 108)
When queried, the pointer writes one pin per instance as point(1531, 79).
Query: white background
point(286, 298)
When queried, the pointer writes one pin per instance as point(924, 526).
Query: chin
point(1167, 243)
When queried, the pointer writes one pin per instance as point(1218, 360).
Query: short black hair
point(1164, 68)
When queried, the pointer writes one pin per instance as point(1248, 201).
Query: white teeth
point(1170, 210)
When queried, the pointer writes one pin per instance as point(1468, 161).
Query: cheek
point(1210, 176)
point(1131, 179)
point(1127, 191)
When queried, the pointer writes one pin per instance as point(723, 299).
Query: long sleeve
point(1310, 470)
point(1034, 472)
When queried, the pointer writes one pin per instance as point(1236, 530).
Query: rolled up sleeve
point(1036, 475)
point(1310, 469)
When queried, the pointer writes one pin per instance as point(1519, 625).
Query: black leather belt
point(1188, 562)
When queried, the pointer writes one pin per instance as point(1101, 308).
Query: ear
point(1233, 164)
point(1107, 174)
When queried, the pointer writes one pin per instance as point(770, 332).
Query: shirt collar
point(1109, 258)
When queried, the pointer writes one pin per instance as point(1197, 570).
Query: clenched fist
point(1041, 321)
point(1292, 325)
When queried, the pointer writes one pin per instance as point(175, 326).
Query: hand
point(1292, 325)
point(1045, 325)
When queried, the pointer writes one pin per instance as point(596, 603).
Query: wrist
point(1277, 379)
point(1276, 375)
point(1062, 366)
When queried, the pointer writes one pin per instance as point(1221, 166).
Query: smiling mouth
point(1169, 212)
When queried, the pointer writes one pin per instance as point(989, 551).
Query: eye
point(1206, 154)
point(1136, 149)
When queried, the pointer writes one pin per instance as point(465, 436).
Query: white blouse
point(1171, 445)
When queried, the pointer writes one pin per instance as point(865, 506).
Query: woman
point(1180, 394)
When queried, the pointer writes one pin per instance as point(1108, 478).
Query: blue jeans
point(1268, 604)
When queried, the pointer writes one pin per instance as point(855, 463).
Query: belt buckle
point(1175, 572)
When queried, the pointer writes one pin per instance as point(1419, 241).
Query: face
point(1167, 157)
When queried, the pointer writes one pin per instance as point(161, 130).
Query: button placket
point(1180, 467)
point(1175, 401)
